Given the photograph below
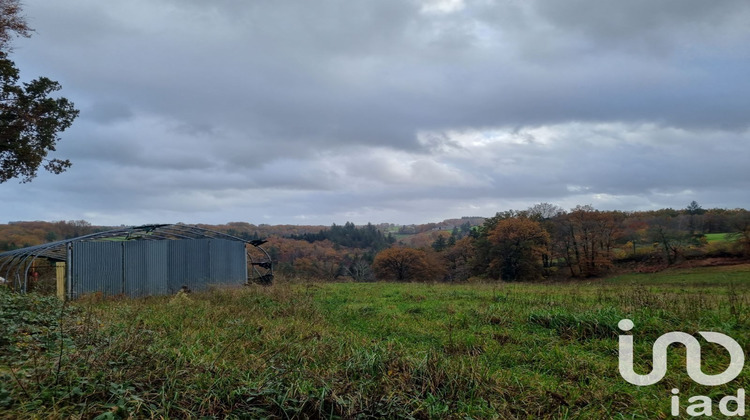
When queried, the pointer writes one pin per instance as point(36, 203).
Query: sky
point(399, 111)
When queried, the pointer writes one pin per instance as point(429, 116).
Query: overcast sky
point(314, 112)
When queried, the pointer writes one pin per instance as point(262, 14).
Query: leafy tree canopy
point(404, 264)
point(30, 119)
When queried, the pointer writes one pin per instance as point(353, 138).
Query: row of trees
point(22, 234)
point(545, 241)
point(351, 236)
point(540, 242)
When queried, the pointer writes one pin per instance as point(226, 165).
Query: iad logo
point(702, 404)
point(659, 354)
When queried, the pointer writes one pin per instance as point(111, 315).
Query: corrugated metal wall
point(97, 267)
point(142, 268)
point(189, 264)
point(224, 255)
point(145, 269)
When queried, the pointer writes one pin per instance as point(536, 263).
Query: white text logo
point(700, 405)
point(659, 354)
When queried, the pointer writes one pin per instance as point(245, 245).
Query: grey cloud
point(283, 71)
point(645, 23)
point(108, 112)
point(635, 27)
point(296, 100)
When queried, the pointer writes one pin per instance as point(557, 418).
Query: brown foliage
point(11, 22)
point(586, 240)
point(406, 264)
point(320, 260)
point(22, 234)
point(519, 244)
point(458, 259)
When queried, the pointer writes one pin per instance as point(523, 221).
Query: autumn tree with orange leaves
point(518, 244)
point(406, 264)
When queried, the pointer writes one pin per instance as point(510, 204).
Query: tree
point(672, 240)
point(452, 240)
point(404, 264)
point(483, 247)
point(458, 259)
point(359, 268)
point(440, 243)
point(30, 119)
point(693, 209)
point(543, 211)
point(365, 237)
point(741, 227)
point(11, 22)
point(586, 238)
point(519, 244)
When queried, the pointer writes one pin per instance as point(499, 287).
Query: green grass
point(372, 350)
point(719, 237)
point(709, 277)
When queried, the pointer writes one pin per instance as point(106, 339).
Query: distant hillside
point(542, 242)
point(20, 234)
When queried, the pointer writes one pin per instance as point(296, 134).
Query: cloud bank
point(397, 111)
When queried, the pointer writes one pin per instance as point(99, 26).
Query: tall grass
point(373, 350)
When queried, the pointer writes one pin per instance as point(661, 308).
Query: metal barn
point(137, 261)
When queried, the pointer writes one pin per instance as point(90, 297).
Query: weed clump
point(182, 297)
point(581, 326)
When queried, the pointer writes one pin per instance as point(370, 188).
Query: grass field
point(372, 350)
point(719, 237)
point(709, 278)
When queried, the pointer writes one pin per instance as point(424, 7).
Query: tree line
point(16, 235)
point(545, 241)
point(541, 242)
point(351, 236)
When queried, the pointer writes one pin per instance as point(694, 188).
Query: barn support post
point(69, 268)
point(24, 267)
point(25, 287)
point(122, 273)
point(60, 277)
